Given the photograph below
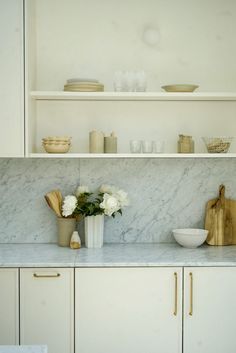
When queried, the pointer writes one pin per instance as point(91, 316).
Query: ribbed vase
point(94, 229)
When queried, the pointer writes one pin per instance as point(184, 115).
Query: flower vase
point(94, 229)
point(66, 226)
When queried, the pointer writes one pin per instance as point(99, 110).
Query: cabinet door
point(210, 310)
point(128, 310)
point(47, 308)
point(9, 307)
point(11, 82)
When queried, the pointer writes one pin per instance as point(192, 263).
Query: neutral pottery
point(94, 229)
point(190, 238)
point(75, 242)
point(66, 226)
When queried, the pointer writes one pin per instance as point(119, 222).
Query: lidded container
point(185, 144)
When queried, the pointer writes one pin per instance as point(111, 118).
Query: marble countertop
point(111, 255)
point(23, 349)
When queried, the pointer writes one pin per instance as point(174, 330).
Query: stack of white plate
point(83, 85)
point(56, 144)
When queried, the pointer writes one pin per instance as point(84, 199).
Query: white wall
point(91, 38)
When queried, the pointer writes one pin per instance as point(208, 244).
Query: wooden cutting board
point(221, 220)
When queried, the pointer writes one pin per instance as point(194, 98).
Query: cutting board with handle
point(221, 220)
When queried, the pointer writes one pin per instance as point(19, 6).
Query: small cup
point(158, 146)
point(119, 81)
point(141, 81)
point(147, 146)
point(135, 146)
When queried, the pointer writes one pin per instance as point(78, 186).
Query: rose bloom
point(69, 205)
point(110, 204)
point(122, 196)
point(81, 190)
point(107, 189)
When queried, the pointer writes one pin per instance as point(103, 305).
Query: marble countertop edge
point(115, 255)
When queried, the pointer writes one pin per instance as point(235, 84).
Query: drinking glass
point(158, 146)
point(147, 146)
point(141, 81)
point(135, 146)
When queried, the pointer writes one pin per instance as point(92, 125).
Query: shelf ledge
point(132, 155)
point(133, 96)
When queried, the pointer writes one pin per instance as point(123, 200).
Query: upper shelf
point(132, 155)
point(134, 96)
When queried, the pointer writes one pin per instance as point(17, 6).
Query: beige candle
point(110, 143)
point(96, 142)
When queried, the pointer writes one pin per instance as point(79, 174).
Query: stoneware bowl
point(190, 238)
point(56, 147)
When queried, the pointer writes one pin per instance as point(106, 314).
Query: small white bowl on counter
point(190, 237)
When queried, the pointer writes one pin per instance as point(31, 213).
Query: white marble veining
point(25, 217)
point(23, 349)
point(115, 255)
point(164, 194)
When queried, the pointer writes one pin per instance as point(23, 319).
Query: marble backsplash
point(164, 194)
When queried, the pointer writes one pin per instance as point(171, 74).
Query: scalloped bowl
point(190, 238)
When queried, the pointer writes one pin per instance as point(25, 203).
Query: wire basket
point(217, 144)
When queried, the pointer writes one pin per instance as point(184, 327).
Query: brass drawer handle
point(176, 294)
point(191, 294)
point(46, 276)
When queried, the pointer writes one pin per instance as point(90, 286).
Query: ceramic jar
point(185, 144)
point(66, 227)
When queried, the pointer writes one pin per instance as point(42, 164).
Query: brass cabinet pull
point(176, 294)
point(191, 294)
point(36, 275)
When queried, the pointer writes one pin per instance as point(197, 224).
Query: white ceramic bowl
point(190, 238)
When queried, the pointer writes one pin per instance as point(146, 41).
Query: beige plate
point(83, 85)
point(84, 90)
point(92, 83)
point(180, 88)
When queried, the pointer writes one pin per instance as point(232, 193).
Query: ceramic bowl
point(56, 138)
point(189, 237)
point(56, 147)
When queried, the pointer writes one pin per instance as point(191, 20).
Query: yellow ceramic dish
point(180, 88)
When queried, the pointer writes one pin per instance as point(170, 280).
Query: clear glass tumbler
point(147, 146)
point(158, 146)
point(135, 146)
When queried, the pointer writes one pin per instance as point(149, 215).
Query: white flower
point(81, 190)
point(107, 189)
point(122, 196)
point(69, 205)
point(110, 204)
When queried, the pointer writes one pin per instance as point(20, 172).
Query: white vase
point(94, 229)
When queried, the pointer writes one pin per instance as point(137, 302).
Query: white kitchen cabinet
point(12, 78)
point(9, 307)
point(47, 308)
point(209, 310)
point(128, 310)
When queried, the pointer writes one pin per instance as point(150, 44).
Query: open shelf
point(154, 115)
point(134, 96)
point(132, 155)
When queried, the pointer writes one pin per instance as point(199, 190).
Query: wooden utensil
point(54, 201)
point(221, 220)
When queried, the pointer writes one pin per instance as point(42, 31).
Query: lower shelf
point(132, 155)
